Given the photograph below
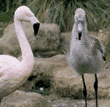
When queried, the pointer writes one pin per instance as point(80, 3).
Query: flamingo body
point(13, 73)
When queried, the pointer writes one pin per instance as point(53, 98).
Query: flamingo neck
point(74, 35)
point(27, 55)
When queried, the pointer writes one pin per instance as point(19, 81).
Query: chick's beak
point(80, 29)
point(79, 35)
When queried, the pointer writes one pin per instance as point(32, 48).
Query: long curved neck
point(27, 55)
point(74, 35)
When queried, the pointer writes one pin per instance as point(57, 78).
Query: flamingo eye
point(29, 15)
point(76, 18)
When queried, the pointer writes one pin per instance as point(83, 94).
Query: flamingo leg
point(84, 91)
point(96, 89)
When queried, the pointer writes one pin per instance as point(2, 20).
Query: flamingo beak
point(104, 58)
point(36, 28)
point(80, 29)
point(79, 35)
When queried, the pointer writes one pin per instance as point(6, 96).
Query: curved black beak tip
point(79, 35)
point(104, 58)
point(36, 28)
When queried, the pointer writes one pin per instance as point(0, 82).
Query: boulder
point(56, 74)
point(107, 104)
point(65, 42)
point(24, 99)
point(46, 54)
point(92, 33)
point(47, 38)
point(104, 36)
point(44, 71)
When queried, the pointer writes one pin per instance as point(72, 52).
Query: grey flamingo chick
point(86, 52)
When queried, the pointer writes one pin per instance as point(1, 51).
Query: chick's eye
point(76, 18)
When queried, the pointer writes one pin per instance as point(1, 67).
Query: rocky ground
point(62, 85)
point(24, 99)
point(67, 102)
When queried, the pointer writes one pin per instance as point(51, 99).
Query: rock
point(48, 53)
point(92, 33)
point(105, 104)
point(24, 99)
point(55, 74)
point(65, 42)
point(69, 86)
point(104, 36)
point(47, 38)
point(44, 71)
point(54, 71)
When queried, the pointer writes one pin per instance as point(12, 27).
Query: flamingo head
point(23, 13)
point(80, 21)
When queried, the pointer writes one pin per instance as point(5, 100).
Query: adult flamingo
point(14, 73)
